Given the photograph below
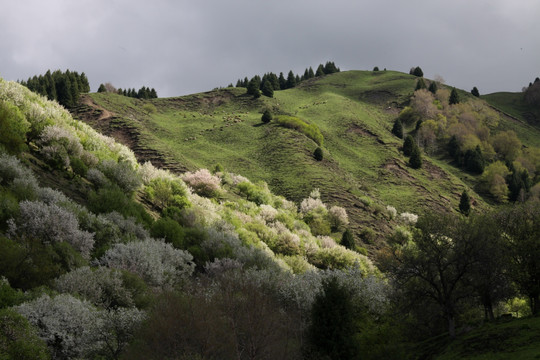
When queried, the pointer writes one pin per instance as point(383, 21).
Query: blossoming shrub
point(203, 182)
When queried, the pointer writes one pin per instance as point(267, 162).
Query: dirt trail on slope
point(113, 125)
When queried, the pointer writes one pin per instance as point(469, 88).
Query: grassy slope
point(520, 116)
point(354, 111)
point(516, 339)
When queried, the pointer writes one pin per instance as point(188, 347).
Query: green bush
point(112, 198)
point(169, 230)
point(318, 154)
point(310, 130)
point(78, 166)
point(257, 194)
point(18, 339)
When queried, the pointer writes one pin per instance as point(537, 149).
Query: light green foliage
point(13, 127)
point(310, 130)
point(493, 180)
point(259, 194)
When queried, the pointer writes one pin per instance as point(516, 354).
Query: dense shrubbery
point(310, 130)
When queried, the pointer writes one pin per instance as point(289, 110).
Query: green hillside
point(363, 169)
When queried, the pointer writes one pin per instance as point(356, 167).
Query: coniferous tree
point(347, 239)
point(253, 87)
point(453, 146)
point(291, 80)
point(266, 116)
point(153, 94)
point(465, 203)
point(433, 87)
point(333, 328)
point(282, 82)
point(267, 89)
point(408, 145)
point(397, 129)
point(376, 68)
point(474, 160)
point(454, 97)
point(320, 70)
point(475, 92)
point(417, 71)
point(311, 73)
point(420, 84)
point(318, 154)
point(415, 161)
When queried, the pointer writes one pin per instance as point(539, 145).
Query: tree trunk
point(535, 304)
point(488, 312)
point(451, 325)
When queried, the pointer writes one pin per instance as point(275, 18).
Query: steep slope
point(363, 169)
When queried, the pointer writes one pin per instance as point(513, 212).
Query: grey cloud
point(181, 47)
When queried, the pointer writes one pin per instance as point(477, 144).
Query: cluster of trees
point(450, 265)
point(143, 93)
point(442, 122)
point(532, 93)
point(64, 87)
point(270, 82)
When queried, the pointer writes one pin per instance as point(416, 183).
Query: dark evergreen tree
point(101, 88)
point(454, 97)
point(418, 72)
point(267, 89)
point(311, 73)
point(274, 81)
point(320, 70)
point(239, 83)
point(333, 322)
point(376, 68)
point(306, 75)
point(120, 91)
point(153, 94)
point(420, 84)
point(465, 203)
point(318, 154)
point(453, 146)
point(282, 82)
point(474, 160)
point(291, 80)
point(85, 84)
point(475, 92)
point(397, 129)
point(519, 183)
point(433, 87)
point(297, 80)
point(253, 87)
point(330, 68)
point(408, 145)
point(63, 90)
point(415, 161)
point(347, 239)
point(266, 116)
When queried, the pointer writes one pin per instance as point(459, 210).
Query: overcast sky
point(181, 47)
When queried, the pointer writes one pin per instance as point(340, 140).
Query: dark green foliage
point(318, 154)
point(266, 116)
point(347, 239)
point(291, 80)
point(416, 158)
point(78, 166)
point(519, 183)
point(330, 68)
point(320, 70)
point(417, 71)
point(333, 329)
point(63, 87)
point(465, 203)
point(253, 87)
point(18, 339)
point(170, 230)
point(376, 68)
point(433, 87)
point(27, 262)
point(475, 92)
point(267, 89)
point(420, 84)
point(282, 81)
point(453, 146)
point(112, 198)
point(13, 128)
point(474, 160)
point(397, 129)
point(101, 88)
point(9, 296)
point(454, 97)
point(408, 145)
point(408, 116)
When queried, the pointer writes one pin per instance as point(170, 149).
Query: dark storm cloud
point(181, 47)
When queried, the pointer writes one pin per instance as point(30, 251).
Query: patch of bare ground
point(359, 130)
